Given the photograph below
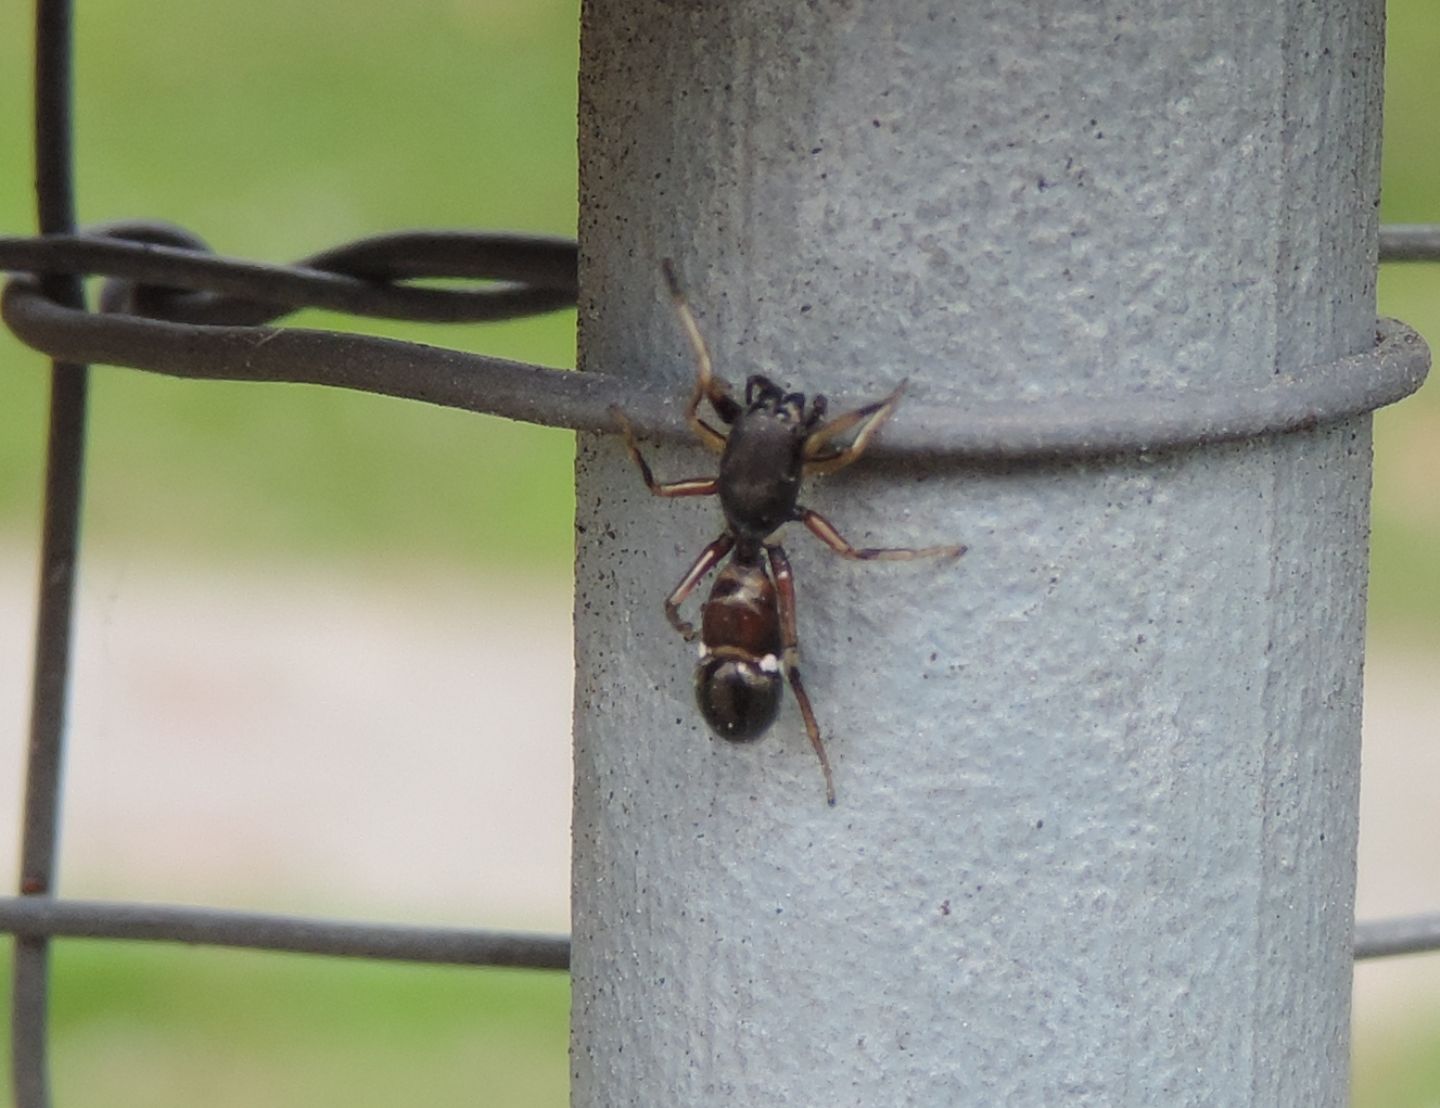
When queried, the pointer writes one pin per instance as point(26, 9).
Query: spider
point(748, 639)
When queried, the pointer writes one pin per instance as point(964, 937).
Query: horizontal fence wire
point(161, 272)
point(1410, 242)
point(40, 917)
point(171, 307)
point(1403, 935)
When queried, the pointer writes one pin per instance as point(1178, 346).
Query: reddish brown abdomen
point(742, 613)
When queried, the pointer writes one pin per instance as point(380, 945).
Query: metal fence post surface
point(1097, 781)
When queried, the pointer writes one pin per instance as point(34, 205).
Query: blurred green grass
point(276, 130)
point(155, 1026)
point(1397, 1066)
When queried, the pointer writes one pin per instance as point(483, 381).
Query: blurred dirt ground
point(294, 741)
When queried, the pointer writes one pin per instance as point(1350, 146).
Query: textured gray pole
point(1097, 782)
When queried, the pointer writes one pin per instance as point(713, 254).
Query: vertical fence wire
point(54, 183)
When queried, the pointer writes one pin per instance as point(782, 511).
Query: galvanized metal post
point(1097, 782)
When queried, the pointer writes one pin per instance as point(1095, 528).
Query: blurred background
point(323, 659)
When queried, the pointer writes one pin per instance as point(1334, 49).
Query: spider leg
point(691, 486)
point(790, 645)
point(822, 457)
point(707, 385)
point(825, 531)
point(707, 561)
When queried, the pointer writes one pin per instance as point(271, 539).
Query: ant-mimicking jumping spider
point(747, 626)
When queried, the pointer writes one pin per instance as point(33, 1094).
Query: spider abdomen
point(739, 697)
point(738, 681)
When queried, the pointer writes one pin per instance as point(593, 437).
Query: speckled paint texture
point(1097, 782)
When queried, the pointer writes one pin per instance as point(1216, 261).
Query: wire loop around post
point(172, 307)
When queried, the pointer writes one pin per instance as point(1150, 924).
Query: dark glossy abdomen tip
point(738, 698)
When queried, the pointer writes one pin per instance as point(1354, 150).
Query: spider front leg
point(822, 457)
point(825, 531)
point(790, 658)
point(707, 385)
